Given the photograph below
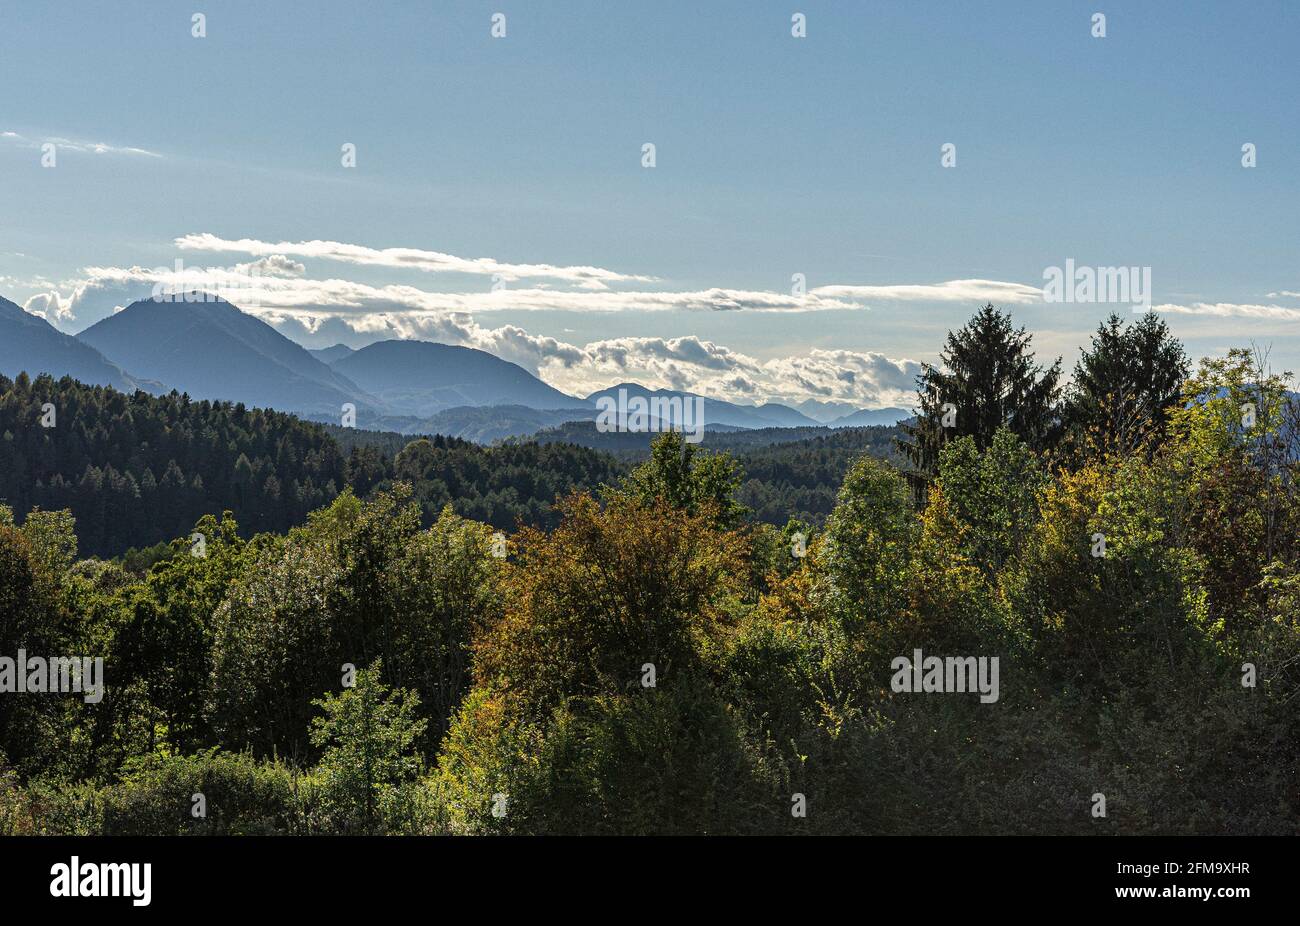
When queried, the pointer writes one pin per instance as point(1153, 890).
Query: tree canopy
point(650, 657)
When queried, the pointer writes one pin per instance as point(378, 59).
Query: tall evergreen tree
point(1124, 385)
point(988, 380)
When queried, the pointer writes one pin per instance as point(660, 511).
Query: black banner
point(1218, 876)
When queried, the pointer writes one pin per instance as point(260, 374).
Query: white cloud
point(596, 278)
point(273, 265)
point(55, 309)
point(973, 291)
point(862, 378)
point(866, 379)
point(273, 286)
point(102, 288)
point(343, 310)
point(77, 145)
point(1232, 310)
point(410, 259)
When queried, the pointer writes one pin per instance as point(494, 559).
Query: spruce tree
point(1124, 385)
point(988, 380)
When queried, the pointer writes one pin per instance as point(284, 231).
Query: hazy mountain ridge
point(870, 417)
point(718, 411)
point(211, 349)
point(482, 424)
point(28, 343)
point(423, 378)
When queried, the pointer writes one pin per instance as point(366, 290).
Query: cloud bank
point(274, 288)
point(274, 285)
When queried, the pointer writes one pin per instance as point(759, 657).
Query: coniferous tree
point(988, 380)
point(1125, 384)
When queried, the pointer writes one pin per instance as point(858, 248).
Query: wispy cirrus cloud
point(1232, 310)
point(277, 281)
point(995, 291)
point(77, 145)
point(410, 259)
point(598, 278)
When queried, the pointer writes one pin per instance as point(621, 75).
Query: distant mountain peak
point(332, 353)
point(720, 412)
point(424, 377)
point(212, 349)
point(29, 343)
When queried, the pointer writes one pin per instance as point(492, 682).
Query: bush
point(243, 797)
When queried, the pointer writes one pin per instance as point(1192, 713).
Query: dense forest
point(656, 659)
point(138, 470)
point(800, 480)
point(635, 446)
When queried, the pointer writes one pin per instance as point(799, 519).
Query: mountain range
point(716, 411)
point(28, 342)
point(823, 411)
point(211, 349)
point(869, 417)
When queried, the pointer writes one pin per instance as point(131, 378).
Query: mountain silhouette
point(29, 343)
point(423, 378)
point(718, 412)
point(212, 350)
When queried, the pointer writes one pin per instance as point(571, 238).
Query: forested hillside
point(137, 470)
point(801, 479)
point(657, 662)
point(635, 445)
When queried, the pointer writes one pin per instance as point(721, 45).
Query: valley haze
point(208, 348)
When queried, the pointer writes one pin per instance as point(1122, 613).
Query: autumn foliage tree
point(645, 657)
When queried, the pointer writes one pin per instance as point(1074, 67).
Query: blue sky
point(774, 156)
